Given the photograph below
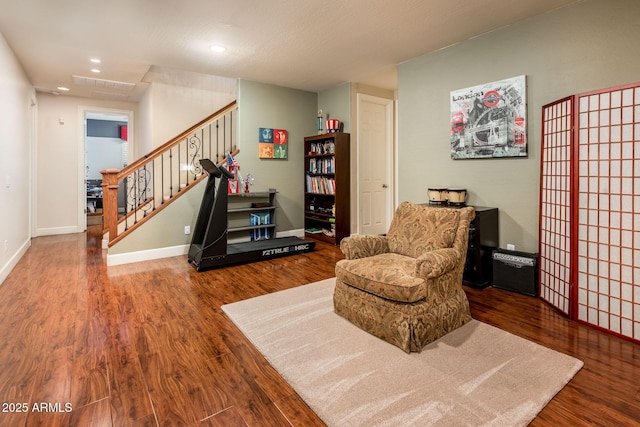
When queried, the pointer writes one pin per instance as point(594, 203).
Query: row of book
point(318, 148)
point(321, 185)
point(322, 165)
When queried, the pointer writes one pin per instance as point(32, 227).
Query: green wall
point(336, 103)
point(582, 47)
point(269, 106)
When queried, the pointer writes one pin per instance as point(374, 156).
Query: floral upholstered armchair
point(406, 287)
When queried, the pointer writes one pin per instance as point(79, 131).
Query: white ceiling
point(304, 44)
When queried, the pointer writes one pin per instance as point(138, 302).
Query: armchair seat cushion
point(390, 276)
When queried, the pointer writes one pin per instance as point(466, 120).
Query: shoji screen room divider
point(590, 208)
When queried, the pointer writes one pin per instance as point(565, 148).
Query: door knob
point(384, 186)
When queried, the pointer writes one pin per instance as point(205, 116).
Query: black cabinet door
point(483, 240)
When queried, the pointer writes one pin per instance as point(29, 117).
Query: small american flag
point(231, 161)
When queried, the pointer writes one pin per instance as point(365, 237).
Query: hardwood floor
point(147, 344)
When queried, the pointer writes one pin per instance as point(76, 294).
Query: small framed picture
point(233, 186)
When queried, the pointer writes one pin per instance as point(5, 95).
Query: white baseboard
point(13, 261)
point(53, 231)
point(147, 255)
point(291, 233)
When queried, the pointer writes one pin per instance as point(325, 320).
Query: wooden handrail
point(175, 141)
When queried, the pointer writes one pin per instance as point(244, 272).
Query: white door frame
point(389, 154)
point(83, 110)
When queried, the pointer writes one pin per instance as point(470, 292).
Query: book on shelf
point(260, 218)
point(322, 165)
point(313, 230)
point(321, 185)
point(322, 148)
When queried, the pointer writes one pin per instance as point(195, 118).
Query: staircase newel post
point(110, 201)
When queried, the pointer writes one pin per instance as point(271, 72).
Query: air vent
point(109, 95)
point(104, 84)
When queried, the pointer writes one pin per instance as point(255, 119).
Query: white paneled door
point(375, 141)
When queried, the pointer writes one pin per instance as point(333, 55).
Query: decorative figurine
point(247, 181)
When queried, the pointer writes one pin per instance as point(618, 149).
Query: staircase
point(136, 193)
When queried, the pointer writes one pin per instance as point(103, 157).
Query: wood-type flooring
point(147, 344)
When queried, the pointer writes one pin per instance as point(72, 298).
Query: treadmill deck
point(256, 250)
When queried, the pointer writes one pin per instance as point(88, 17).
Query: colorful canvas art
point(272, 143)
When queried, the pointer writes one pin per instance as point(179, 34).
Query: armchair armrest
point(362, 246)
point(435, 263)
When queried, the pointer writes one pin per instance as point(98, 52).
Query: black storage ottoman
point(515, 271)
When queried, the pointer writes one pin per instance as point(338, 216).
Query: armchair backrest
point(416, 229)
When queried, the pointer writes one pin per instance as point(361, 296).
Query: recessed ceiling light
point(63, 89)
point(95, 70)
point(218, 48)
point(95, 60)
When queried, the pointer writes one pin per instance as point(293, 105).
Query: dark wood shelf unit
point(327, 204)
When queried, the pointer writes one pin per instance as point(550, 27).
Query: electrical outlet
point(511, 247)
point(187, 229)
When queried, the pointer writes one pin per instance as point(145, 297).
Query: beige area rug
point(476, 375)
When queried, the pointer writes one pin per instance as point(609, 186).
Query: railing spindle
point(217, 141)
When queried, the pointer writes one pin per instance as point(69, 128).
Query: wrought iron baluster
point(179, 170)
point(130, 198)
point(153, 184)
point(134, 192)
point(209, 135)
point(171, 173)
point(144, 194)
point(217, 141)
point(162, 179)
point(188, 158)
point(224, 134)
point(194, 166)
point(136, 195)
point(201, 149)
